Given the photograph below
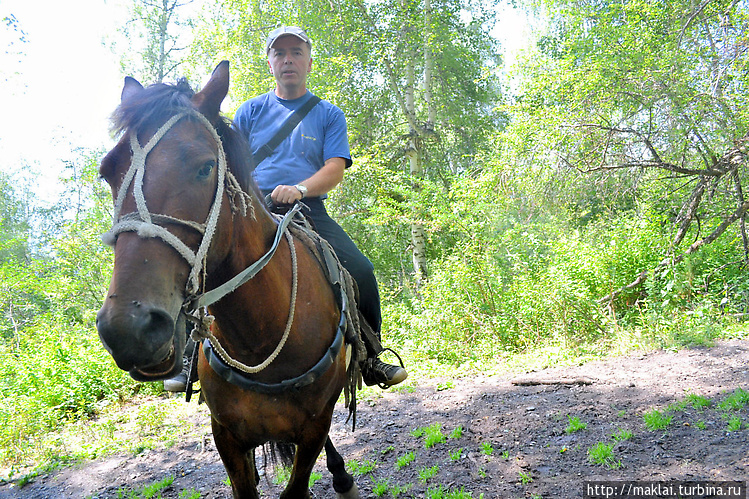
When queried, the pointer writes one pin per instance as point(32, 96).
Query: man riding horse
point(305, 161)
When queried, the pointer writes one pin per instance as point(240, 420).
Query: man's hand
point(285, 194)
point(326, 178)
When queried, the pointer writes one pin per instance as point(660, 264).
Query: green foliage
point(734, 423)
point(426, 474)
point(383, 486)
point(151, 491)
point(699, 402)
point(735, 401)
point(656, 420)
point(574, 425)
point(361, 468)
point(432, 435)
point(621, 435)
point(602, 453)
point(55, 369)
point(440, 492)
point(189, 494)
point(405, 460)
point(488, 449)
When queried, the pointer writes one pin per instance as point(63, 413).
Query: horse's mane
point(158, 102)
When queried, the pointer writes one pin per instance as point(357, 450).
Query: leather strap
point(283, 132)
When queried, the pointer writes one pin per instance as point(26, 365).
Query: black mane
point(153, 106)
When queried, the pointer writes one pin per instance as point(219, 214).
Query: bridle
point(151, 225)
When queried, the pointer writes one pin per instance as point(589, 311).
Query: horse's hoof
point(353, 493)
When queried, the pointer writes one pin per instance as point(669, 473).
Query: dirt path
point(513, 442)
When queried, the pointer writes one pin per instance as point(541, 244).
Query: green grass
point(151, 491)
point(383, 487)
point(432, 435)
point(456, 454)
point(405, 460)
point(456, 433)
point(656, 420)
point(446, 385)
point(603, 454)
point(440, 492)
point(574, 424)
point(525, 478)
point(734, 423)
point(361, 468)
point(189, 494)
point(735, 401)
point(622, 434)
point(426, 474)
point(698, 402)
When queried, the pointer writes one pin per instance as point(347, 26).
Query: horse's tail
point(279, 453)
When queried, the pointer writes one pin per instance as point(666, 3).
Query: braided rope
point(143, 223)
point(211, 223)
point(204, 332)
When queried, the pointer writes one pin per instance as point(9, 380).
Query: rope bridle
point(151, 225)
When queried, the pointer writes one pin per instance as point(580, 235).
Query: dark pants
point(353, 260)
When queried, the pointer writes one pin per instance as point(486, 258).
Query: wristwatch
point(301, 189)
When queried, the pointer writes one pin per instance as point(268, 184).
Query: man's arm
point(322, 182)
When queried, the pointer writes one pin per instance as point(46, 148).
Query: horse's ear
point(132, 87)
point(208, 101)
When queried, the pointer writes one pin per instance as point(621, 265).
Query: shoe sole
point(400, 376)
point(174, 387)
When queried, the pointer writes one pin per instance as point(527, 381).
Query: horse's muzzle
point(143, 340)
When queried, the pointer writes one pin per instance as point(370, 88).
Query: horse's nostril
point(159, 321)
point(139, 335)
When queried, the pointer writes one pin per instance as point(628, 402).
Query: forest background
point(587, 200)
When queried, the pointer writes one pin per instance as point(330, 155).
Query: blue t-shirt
point(321, 135)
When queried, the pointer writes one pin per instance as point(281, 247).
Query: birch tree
point(157, 34)
point(415, 80)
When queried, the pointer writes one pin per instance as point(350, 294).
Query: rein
point(147, 224)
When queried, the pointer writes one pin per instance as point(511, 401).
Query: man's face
point(290, 62)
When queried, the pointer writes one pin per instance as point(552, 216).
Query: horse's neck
point(263, 302)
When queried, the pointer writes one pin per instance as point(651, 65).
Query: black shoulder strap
point(283, 132)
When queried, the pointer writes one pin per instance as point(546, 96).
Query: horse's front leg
point(306, 454)
point(239, 461)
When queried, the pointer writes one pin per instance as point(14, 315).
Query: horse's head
point(170, 184)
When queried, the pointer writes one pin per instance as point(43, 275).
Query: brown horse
point(188, 220)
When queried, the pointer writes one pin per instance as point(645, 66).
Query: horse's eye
point(206, 169)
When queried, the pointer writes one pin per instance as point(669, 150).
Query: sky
point(59, 87)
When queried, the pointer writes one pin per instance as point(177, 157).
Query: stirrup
point(368, 365)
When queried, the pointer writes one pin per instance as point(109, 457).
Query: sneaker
point(377, 372)
point(179, 382)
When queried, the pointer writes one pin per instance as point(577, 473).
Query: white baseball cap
point(286, 31)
